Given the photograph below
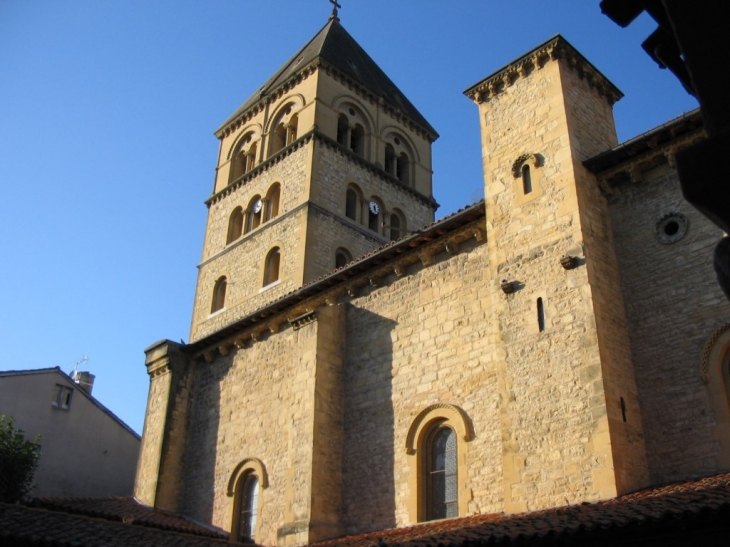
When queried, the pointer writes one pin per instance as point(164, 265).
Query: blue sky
point(107, 113)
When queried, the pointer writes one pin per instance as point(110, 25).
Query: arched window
point(351, 204)
point(244, 159)
point(343, 124)
point(526, 180)
point(352, 127)
point(441, 477)
point(253, 213)
point(219, 295)
point(271, 269)
point(235, 225)
point(403, 167)
point(272, 202)
point(357, 140)
point(390, 159)
point(247, 505)
point(342, 257)
point(285, 130)
point(715, 373)
point(397, 225)
point(375, 214)
point(436, 444)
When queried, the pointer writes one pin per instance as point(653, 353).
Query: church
point(355, 366)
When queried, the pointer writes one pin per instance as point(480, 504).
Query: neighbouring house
point(86, 449)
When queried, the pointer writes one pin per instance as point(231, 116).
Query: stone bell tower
point(554, 271)
point(323, 163)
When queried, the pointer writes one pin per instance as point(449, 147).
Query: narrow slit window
point(540, 315)
point(526, 179)
point(623, 409)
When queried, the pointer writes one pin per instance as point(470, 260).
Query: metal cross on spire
point(335, 6)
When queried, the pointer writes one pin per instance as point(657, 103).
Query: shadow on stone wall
point(368, 452)
point(202, 439)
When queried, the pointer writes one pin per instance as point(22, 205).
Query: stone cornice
point(628, 160)
point(631, 170)
point(320, 137)
point(372, 270)
point(260, 168)
point(557, 48)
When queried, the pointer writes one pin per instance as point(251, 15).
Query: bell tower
point(323, 163)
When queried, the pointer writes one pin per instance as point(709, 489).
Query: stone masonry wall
point(556, 445)
point(328, 232)
point(254, 402)
point(591, 130)
point(412, 342)
point(333, 171)
point(673, 307)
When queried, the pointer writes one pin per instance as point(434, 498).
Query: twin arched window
point(258, 211)
point(375, 216)
point(351, 136)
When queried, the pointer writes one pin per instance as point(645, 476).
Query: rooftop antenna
point(75, 373)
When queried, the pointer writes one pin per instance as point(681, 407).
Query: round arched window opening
point(671, 228)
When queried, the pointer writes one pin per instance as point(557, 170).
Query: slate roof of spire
point(334, 45)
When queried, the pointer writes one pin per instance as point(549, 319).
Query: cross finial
point(335, 5)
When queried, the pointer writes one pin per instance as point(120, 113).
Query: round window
point(671, 228)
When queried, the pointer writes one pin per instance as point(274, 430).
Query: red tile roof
point(128, 510)
point(31, 526)
point(703, 503)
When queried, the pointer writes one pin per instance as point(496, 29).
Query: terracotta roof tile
point(26, 526)
point(127, 510)
point(672, 505)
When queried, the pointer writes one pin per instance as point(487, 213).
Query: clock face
point(257, 206)
point(374, 207)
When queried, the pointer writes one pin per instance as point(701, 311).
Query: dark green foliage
point(18, 462)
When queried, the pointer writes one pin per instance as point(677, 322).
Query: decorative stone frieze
point(554, 49)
